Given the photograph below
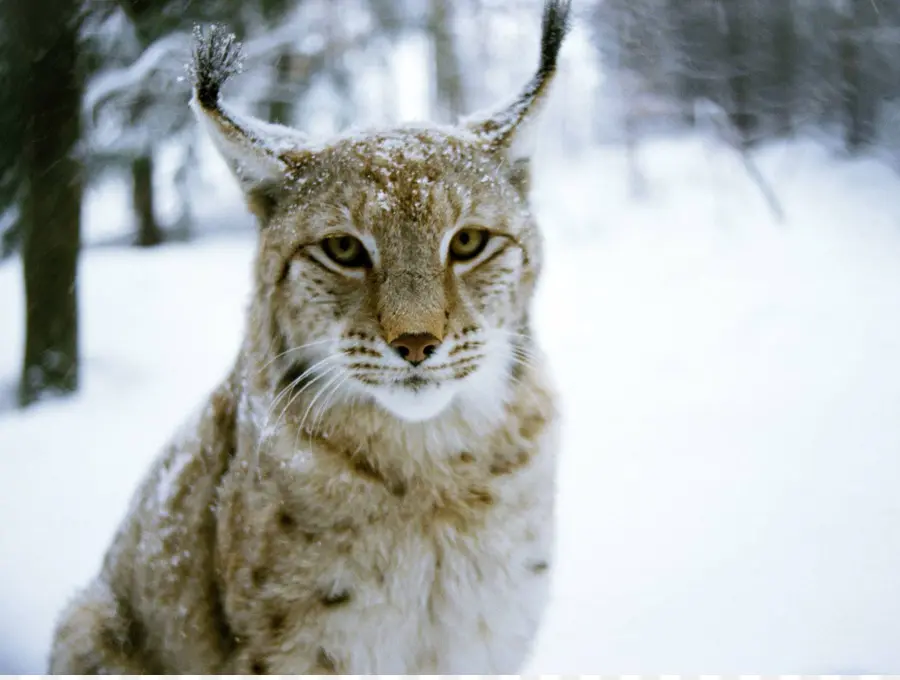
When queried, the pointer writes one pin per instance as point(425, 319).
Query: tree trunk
point(785, 48)
point(449, 94)
point(859, 106)
point(739, 83)
point(685, 88)
point(148, 231)
point(52, 188)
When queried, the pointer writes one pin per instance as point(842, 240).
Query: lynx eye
point(467, 244)
point(347, 251)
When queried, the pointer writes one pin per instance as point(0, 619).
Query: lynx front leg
point(96, 635)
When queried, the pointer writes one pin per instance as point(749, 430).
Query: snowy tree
point(135, 99)
point(772, 65)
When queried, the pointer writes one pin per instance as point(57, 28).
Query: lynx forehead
point(419, 181)
point(372, 488)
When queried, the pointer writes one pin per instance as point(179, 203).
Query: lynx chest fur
point(332, 564)
point(372, 488)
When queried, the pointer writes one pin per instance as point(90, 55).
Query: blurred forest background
point(96, 90)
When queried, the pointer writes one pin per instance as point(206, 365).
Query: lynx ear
point(261, 155)
point(511, 130)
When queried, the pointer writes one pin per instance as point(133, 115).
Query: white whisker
point(313, 403)
point(296, 381)
point(263, 431)
point(327, 403)
point(292, 349)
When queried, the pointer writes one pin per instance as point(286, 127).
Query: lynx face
point(396, 266)
point(408, 262)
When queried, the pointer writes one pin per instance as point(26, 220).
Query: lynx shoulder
point(372, 488)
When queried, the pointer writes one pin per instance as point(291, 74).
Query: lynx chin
point(371, 489)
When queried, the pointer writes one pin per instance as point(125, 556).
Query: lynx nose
point(415, 347)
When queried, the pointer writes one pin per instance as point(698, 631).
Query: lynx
point(371, 489)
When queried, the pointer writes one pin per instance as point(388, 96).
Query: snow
point(728, 486)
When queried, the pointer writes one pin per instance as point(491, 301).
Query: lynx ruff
point(371, 490)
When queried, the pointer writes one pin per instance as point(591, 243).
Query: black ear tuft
point(217, 57)
point(555, 25)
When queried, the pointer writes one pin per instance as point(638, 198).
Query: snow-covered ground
point(730, 486)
